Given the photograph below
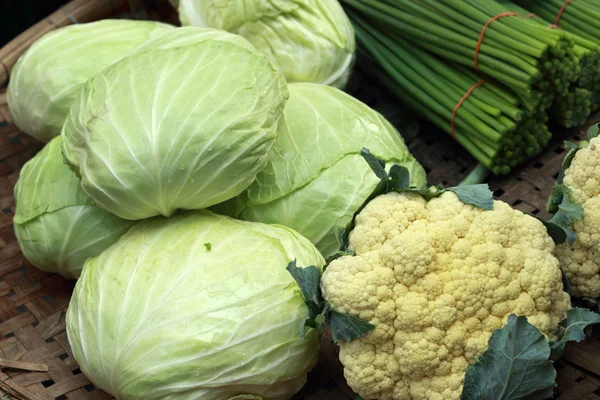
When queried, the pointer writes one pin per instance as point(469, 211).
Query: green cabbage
point(184, 122)
point(196, 306)
point(48, 76)
point(317, 178)
point(312, 41)
point(57, 225)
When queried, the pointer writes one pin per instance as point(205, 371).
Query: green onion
point(575, 106)
point(493, 124)
point(536, 62)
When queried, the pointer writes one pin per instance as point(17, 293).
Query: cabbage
point(47, 78)
point(184, 122)
point(57, 225)
point(312, 41)
point(196, 306)
point(317, 178)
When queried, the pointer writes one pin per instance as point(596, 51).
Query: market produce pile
point(221, 202)
point(537, 70)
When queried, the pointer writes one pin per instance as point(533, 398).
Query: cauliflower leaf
point(343, 326)
point(566, 213)
point(518, 362)
point(515, 366)
point(576, 324)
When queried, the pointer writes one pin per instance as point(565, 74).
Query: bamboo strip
point(76, 11)
point(23, 366)
point(9, 386)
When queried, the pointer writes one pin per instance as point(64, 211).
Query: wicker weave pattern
point(33, 303)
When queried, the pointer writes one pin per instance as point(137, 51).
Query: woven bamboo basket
point(36, 362)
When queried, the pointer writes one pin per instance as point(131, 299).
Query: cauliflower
point(436, 278)
point(581, 263)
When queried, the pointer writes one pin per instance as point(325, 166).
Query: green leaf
point(399, 178)
point(578, 319)
point(555, 198)
point(558, 234)
point(346, 327)
point(573, 149)
point(308, 279)
point(593, 131)
point(568, 212)
point(343, 326)
point(515, 366)
point(377, 165)
point(478, 195)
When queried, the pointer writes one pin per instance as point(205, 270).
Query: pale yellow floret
point(437, 278)
point(581, 264)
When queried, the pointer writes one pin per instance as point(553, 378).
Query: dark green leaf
point(478, 195)
point(592, 131)
point(558, 234)
point(208, 246)
point(578, 319)
point(399, 178)
point(308, 279)
point(377, 165)
point(568, 212)
point(556, 197)
point(359, 398)
point(346, 327)
point(515, 366)
point(572, 151)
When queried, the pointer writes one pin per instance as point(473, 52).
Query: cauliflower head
point(436, 278)
point(581, 263)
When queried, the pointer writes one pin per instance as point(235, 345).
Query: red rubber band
point(460, 103)
point(482, 34)
point(560, 13)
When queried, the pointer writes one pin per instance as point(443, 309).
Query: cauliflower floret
point(436, 278)
point(581, 264)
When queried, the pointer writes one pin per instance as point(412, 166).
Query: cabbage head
point(312, 40)
point(57, 225)
point(316, 178)
point(196, 306)
point(184, 122)
point(47, 77)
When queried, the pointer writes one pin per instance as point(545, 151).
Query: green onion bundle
point(491, 123)
point(537, 63)
point(581, 17)
point(573, 107)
